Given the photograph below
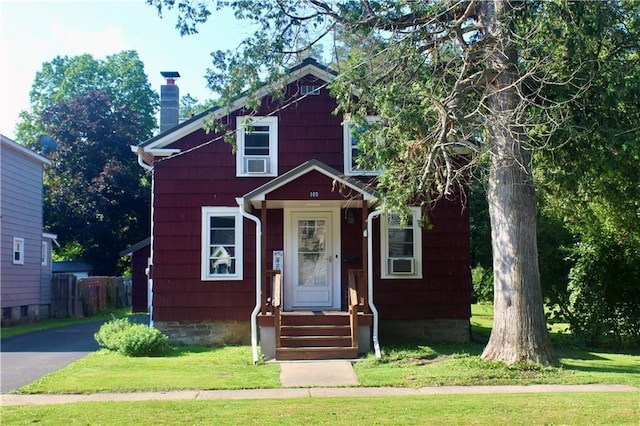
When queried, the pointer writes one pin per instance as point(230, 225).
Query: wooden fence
point(66, 301)
point(85, 297)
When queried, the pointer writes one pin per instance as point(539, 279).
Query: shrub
point(482, 284)
point(120, 335)
point(605, 295)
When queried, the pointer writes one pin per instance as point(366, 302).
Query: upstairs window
point(401, 246)
point(18, 251)
point(352, 152)
point(257, 146)
point(221, 243)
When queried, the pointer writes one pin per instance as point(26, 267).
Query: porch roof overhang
point(255, 197)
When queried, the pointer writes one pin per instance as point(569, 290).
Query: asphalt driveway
point(28, 357)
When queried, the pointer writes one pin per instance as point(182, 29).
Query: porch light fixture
point(351, 217)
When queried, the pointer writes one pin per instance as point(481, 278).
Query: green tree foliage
point(190, 106)
point(592, 184)
point(97, 197)
point(121, 76)
point(446, 78)
point(495, 80)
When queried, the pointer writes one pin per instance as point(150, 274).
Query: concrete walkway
point(321, 392)
point(306, 374)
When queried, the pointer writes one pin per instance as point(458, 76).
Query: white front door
point(312, 259)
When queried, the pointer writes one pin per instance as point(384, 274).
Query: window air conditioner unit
point(401, 266)
point(257, 165)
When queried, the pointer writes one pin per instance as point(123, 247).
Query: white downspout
point(374, 311)
point(139, 151)
point(149, 168)
point(254, 313)
point(150, 265)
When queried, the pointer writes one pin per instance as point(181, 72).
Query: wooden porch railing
point(276, 303)
point(353, 314)
point(358, 281)
point(267, 291)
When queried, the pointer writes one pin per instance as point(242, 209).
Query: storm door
point(312, 260)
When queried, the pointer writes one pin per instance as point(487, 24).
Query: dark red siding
point(206, 176)
point(445, 288)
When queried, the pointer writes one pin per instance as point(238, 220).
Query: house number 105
point(314, 194)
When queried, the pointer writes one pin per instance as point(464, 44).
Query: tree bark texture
point(519, 330)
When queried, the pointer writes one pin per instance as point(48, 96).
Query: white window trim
point(208, 212)
point(241, 123)
point(45, 253)
point(385, 273)
point(18, 246)
point(348, 152)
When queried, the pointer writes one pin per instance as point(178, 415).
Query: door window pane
point(312, 259)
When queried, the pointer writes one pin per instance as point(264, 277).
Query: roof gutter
point(374, 311)
point(145, 160)
point(256, 309)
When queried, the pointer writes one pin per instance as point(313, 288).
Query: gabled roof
point(71, 266)
point(137, 246)
point(11, 144)
point(160, 141)
point(259, 194)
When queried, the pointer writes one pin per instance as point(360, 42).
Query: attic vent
point(310, 90)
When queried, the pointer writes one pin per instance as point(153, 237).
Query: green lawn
point(407, 364)
point(189, 367)
point(518, 409)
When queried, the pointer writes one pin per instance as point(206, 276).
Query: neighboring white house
point(25, 250)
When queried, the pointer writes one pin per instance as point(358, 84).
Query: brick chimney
point(169, 101)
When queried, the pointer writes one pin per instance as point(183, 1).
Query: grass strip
point(512, 409)
point(186, 367)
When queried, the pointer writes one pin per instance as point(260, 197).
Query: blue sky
point(34, 32)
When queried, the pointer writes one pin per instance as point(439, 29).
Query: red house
point(275, 239)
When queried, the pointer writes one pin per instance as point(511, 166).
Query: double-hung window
point(257, 146)
point(401, 246)
point(221, 243)
point(352, 152)
point(18, 251)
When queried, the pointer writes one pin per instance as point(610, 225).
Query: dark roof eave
point(137, 246)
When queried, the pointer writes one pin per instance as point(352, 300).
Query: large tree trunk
point(519, 329)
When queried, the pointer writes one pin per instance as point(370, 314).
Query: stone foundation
point(437, 330)
point(16, 315)
point(207, 333)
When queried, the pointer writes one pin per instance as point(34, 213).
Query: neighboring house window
point(45, 253)
point(401, 246)
point(221, 243)
point(257, 146)
point(18, 251)
point(351, 136)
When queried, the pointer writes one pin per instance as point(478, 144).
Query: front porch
point(306, 335)
point(313, 300)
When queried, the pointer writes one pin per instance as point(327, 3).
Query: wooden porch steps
point(315, 335)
